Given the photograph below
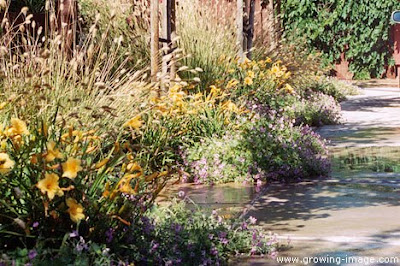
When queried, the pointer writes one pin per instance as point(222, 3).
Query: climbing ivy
point(360, 28)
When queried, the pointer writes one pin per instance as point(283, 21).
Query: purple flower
point(252, 220)
point(244, 226)
point(253, 250)
point(74, 234)
point(154, 247)
point(224, 241)
point(177, 228)
point(254, 235)
point(35, 224)
point(109, 235)
point(32, 254)
point(81, 245)
point(181, 194)
point(214, 251)
point(222, 234)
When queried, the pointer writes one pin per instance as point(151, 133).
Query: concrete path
point(356, 211)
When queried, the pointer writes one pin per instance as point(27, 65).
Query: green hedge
point(329, 26)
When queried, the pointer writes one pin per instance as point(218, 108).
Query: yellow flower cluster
point(179, 103)
point(265, 69)
point(15, 132)
point(49, 184)
point(132, 172)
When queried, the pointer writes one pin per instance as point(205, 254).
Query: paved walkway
point(356, 211)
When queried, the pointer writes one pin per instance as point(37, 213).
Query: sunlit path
point(355, 211)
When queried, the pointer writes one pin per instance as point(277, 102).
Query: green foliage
point(358, 28)
point(168, 235)
point(316, 110)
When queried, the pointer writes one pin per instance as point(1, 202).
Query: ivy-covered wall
point(359, 27)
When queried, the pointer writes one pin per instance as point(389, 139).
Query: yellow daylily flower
point(248, 81)
point(71, 168)
point(75, 210)
point(134, 167)
point(18, 127)
point(134, 123)
point(2, 105)
point(230, 107)
point(251, 74)
point(232, 83)
point(124, 185)
point(101, 163)
point(52, 152)
point(6, 164)
point(214, 90)
point(50, 186)
point(289, 89)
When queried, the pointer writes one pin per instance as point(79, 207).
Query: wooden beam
point(250, 30)
point(173, 36)
point(166, 35)
point(154, 39)
point(239, 29)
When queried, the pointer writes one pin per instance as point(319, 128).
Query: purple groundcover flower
point(181, 194)
point(32, 254)
point(109, 235)
point(81, 245)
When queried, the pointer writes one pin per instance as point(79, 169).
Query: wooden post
point(168, 33)
point(165, 36)
point(154, 39)
point(239, 30)
point(173, 36)
point(250, 30)
point(398, 74)
point(67, 19)
point(278, 27)
point(271, 27)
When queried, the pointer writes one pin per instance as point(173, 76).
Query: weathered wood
point(165, 34)
point(67, 19)
point(173, 36)
point(278, 22)
point(154, 39)
point(250, 30)
point(239, 30)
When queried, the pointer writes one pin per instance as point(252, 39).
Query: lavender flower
point(32, 254)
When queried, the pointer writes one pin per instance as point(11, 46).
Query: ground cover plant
point(87, 143)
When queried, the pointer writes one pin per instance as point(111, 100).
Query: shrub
point(316, 110)
point(58, 180)
point(217, 160)
point(338, 89)
point(267, 149)
point(282, 151)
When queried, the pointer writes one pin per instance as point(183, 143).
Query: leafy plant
point(360, 29)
